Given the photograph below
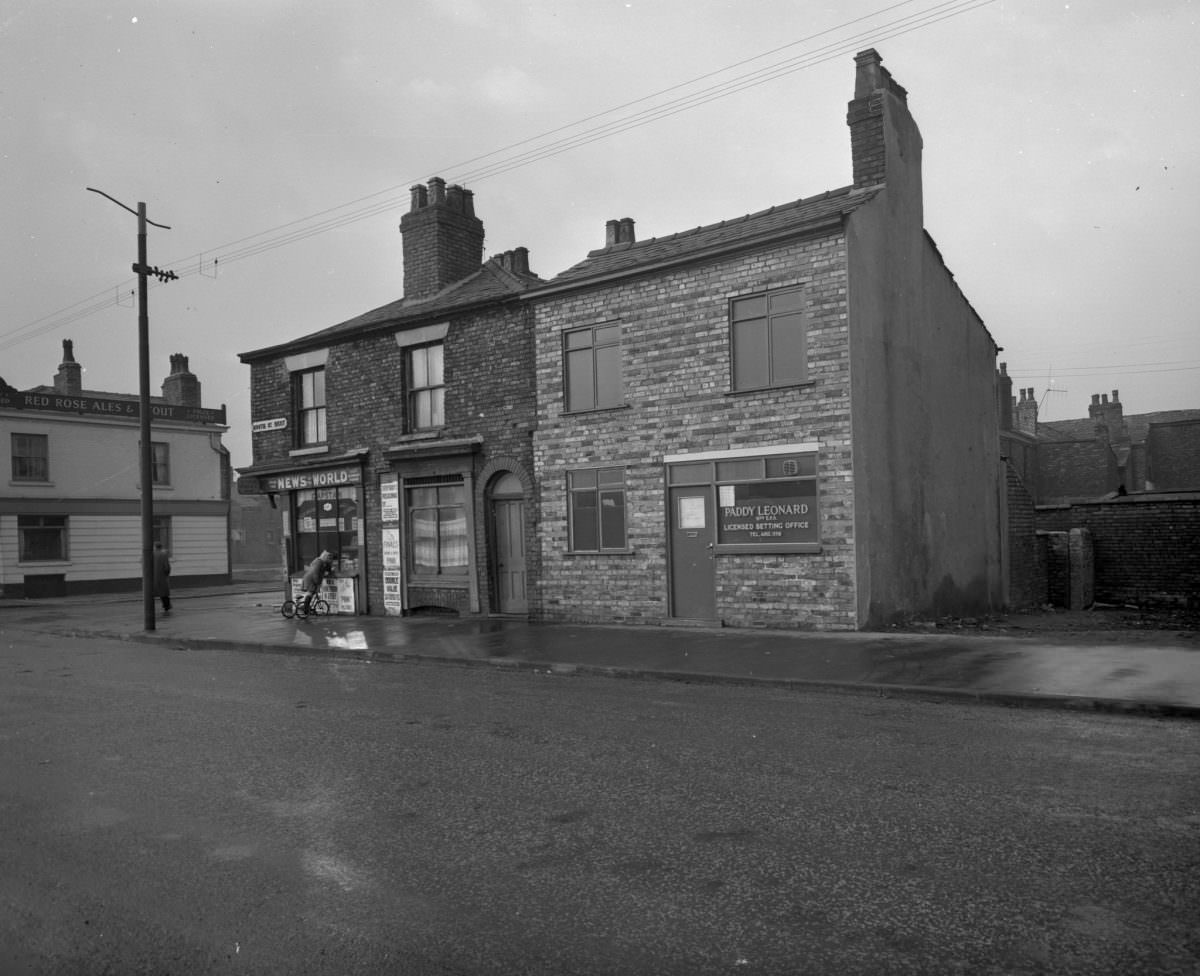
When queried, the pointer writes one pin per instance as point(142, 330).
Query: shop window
point(768, 340)
point(592, 358)
point(160, 463)
point(437, 529)
point(597, 510)
point(426, 387)
point(30, 457)
point(326, 520)
point(42, 538)
point(308, 398)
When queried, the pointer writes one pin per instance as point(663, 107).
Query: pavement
point(1145, 673)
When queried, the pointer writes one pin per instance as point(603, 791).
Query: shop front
point(737, 504)
point(321, 509)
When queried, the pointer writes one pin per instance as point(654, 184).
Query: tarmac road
point(175, 810)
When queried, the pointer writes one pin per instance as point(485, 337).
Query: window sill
point(599, 552)
point(771, 389)
point(31, 484)
point(44, 564)
point(420, 435)
point(587, 410)
point(305, 451)
point(794, 548)
point(439, 582)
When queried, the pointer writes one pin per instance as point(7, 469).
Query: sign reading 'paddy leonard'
point(768, 513)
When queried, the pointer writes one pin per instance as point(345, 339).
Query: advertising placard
point(393, 598)
point(389, 498)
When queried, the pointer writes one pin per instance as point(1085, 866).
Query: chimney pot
point(611, 232)
point(437, 191)
point(1104, 398)
point(1116, 399)
point(625, 231)
point(521, 260)
point(420, 197)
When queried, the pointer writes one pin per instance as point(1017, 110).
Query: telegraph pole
point(143, 270)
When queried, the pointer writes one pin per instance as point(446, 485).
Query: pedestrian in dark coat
point(314, 576)
point(162, 576)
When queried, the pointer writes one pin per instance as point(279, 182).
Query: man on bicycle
point(314, 576)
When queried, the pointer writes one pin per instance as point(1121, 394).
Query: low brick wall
point(1146, 546)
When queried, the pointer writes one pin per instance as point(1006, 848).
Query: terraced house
point(400, 440)
point(788, 419)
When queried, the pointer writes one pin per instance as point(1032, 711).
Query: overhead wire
point(339, 216)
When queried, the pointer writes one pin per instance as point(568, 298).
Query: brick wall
point(1146, 547)
point(1075, 469)
point(1026, 556)
point(676, 372)
point(1173, 456)
point(489, 394)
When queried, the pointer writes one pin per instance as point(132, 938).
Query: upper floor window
point(308, 397)
point(30, 457)
point(593, 367)
point(160, 463)
point(768, 340)
point(426, 387)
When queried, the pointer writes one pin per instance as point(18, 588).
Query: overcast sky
point(1061, 163)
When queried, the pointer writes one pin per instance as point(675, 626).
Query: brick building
point(788, 419)
point(399, 440)
point(1103, 453)
point(70, 510)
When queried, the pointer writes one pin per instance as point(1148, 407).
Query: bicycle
point(295, 608)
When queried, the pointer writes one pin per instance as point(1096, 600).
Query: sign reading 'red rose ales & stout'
point(768, 513)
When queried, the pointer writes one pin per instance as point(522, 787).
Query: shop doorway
point(693, 567)
point(508, 533)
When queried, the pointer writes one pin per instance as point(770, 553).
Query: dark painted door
point(693, 569)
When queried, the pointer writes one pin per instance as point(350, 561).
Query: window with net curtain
point(308, 395)
point(437, 523)
point(426, 387)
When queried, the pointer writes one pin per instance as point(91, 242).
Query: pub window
point(308, 398)
point(768, 340)
point(42, 538)
point(30, 457)
point(597, 510)
point(593, 367)
point(326, 520)
point(437, 528)
point(426, 387)
point(161, 532)
point(160, 463)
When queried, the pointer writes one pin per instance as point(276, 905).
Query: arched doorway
point(508, 535)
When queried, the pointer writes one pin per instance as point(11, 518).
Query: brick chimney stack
point(885, 143)
point(69, 378)
point(1027, 411)
point(1110, 416)
point(181, 387)
point(443, 239)
point(1004, 393)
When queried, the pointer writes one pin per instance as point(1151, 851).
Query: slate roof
point(751, 229)
point(491, 283)
point(1138, 426)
